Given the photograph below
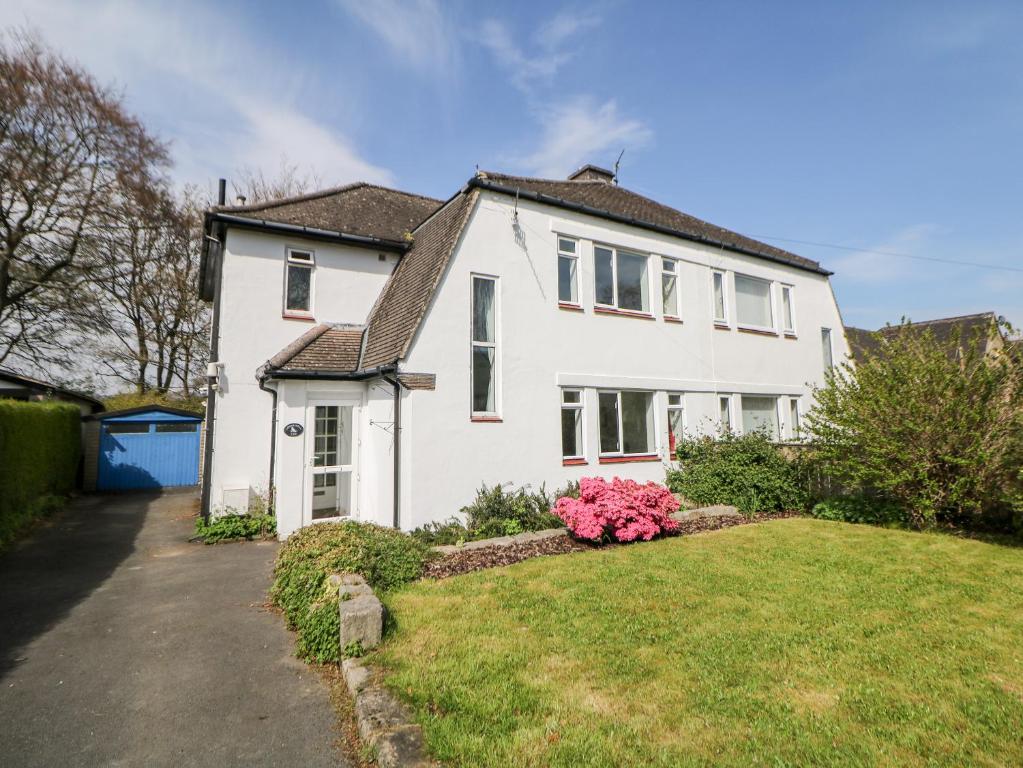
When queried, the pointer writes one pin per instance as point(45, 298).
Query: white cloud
point(876, 264)
point(224, 101)
point(562, 27)
point(417, 31)
point(582, 131)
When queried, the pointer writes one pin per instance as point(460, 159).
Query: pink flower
point(622, 510)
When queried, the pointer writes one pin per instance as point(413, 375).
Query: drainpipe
point(397, 448)
point(271, 490)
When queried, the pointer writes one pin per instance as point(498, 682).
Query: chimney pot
point(241, 199)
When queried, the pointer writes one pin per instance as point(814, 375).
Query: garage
point(138, 448)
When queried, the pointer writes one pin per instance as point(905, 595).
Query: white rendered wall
point(346, 282)
point(541, 347)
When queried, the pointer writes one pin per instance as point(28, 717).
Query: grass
point(792, 642)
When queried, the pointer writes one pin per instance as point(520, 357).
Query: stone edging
point(502, 541)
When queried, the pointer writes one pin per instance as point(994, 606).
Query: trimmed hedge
point(40, 446)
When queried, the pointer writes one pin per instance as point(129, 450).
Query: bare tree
point(289, 181)
point(69, 152)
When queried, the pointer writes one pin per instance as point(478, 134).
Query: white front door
point(331, 450)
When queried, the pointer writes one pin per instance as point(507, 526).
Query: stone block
point(362, 620)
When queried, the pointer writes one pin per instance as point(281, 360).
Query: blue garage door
point(148, 454)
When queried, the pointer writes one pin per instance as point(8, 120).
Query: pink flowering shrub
point(622, 510)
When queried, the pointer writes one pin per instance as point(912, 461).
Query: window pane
point(760, 414)
point(299, 280)
point(753, 301)
point(675, 420)
point(632, 282)
point(567, 290)
point(719, 296)
point(674, 399)
point(332, 495)
point(725, 415)
point(826, 348)
point(669, 295)
point(566, 245)
point(786, 303)
point(571, 432)
point(483, 309)
point(176, 427)
point(637, 422)
point(571, 396)
point(127, 428)
point(608, 417)
point(794, 417)
point(300, 256)
point(483, 385)
point(603, 276)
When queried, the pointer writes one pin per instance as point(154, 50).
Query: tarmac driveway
point(121, 644)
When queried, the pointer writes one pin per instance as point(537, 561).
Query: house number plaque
point(293, 430)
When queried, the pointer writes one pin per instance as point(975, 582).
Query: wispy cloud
point(875, 264)
point(417, 32)
point(551, 47)
point(182, 86)
point(582, 131)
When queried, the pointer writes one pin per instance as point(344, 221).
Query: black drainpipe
point(220, 234)
point(397, 449)
point(271, 491)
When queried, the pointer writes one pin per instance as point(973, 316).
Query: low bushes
point(747, 471)
point(233, 527)
point(859, 509)
point(622, 510)
point(384, 557)
point(40, 445)
point(497, 512)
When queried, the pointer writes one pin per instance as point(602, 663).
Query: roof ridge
point(987, 314)
point(315, 195)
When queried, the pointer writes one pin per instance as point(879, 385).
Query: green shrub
point(386, 558)
point(40, 447)
point(451, 531)
point(747, 471)
point(936, 426)
point(859, 509)
point(229, 527)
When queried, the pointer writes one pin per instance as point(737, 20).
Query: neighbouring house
point(380, 355)
point(950, 331)
point(14, 386)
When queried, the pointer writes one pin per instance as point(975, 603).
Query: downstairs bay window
point(484, 347)
point(626, 422)
point(572, 425)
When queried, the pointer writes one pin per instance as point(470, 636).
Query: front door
point(330, 473)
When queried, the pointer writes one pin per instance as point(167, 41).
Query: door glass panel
point(332, 436)
point(332, 493)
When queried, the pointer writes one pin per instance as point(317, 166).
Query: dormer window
point(298, 283)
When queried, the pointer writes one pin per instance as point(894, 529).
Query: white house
point(380, 355)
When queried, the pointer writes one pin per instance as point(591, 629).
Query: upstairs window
point(788, 314)
point(484, 346)
point(298, 282)
point(568, 270)
point(676, 420)
point(626, 423)
point(669, 287)
point(571, 423)
point(826, 351)
point(620, 279)
point(720, 308)
point(760, 414)
point(753, 302)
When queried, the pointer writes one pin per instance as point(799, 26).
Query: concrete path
point(121, 644)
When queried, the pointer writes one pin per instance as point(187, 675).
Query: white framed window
point(788, 311)
point(754, 305)
point(620, 279)
point(795, 425)
point(760, 414)
point(725, 414)
point(720, 300)
point(298, 282)
point(572, 424)
point(676, 419)
point(826, 350)
point(626, 420)
point(568, 270)
point(485, 361)
point(669, 287)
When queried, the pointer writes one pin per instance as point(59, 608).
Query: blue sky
point(886, 128)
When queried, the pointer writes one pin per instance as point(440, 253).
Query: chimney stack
point(592, 173)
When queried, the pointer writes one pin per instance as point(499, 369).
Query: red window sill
point(757, 331)
point(790, 336)
point(622, 312)
point(569, 306)
point(574, 462)
point(627, 459)
point(722, 326)
point(294, 316)
point(486, 419)
point(672, 319)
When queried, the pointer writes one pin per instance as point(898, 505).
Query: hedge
point(40, 445)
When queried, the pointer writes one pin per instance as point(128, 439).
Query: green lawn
point(792, 642)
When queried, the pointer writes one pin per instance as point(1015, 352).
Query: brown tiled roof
point(404, 300)
point(357, 209)
point(946, 330)
point(624, 205)
point(325, 348)
point(861, 341)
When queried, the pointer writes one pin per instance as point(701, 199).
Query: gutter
point(366, 373)
point(559, 202)
point(397, 449)
point(310, 232)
